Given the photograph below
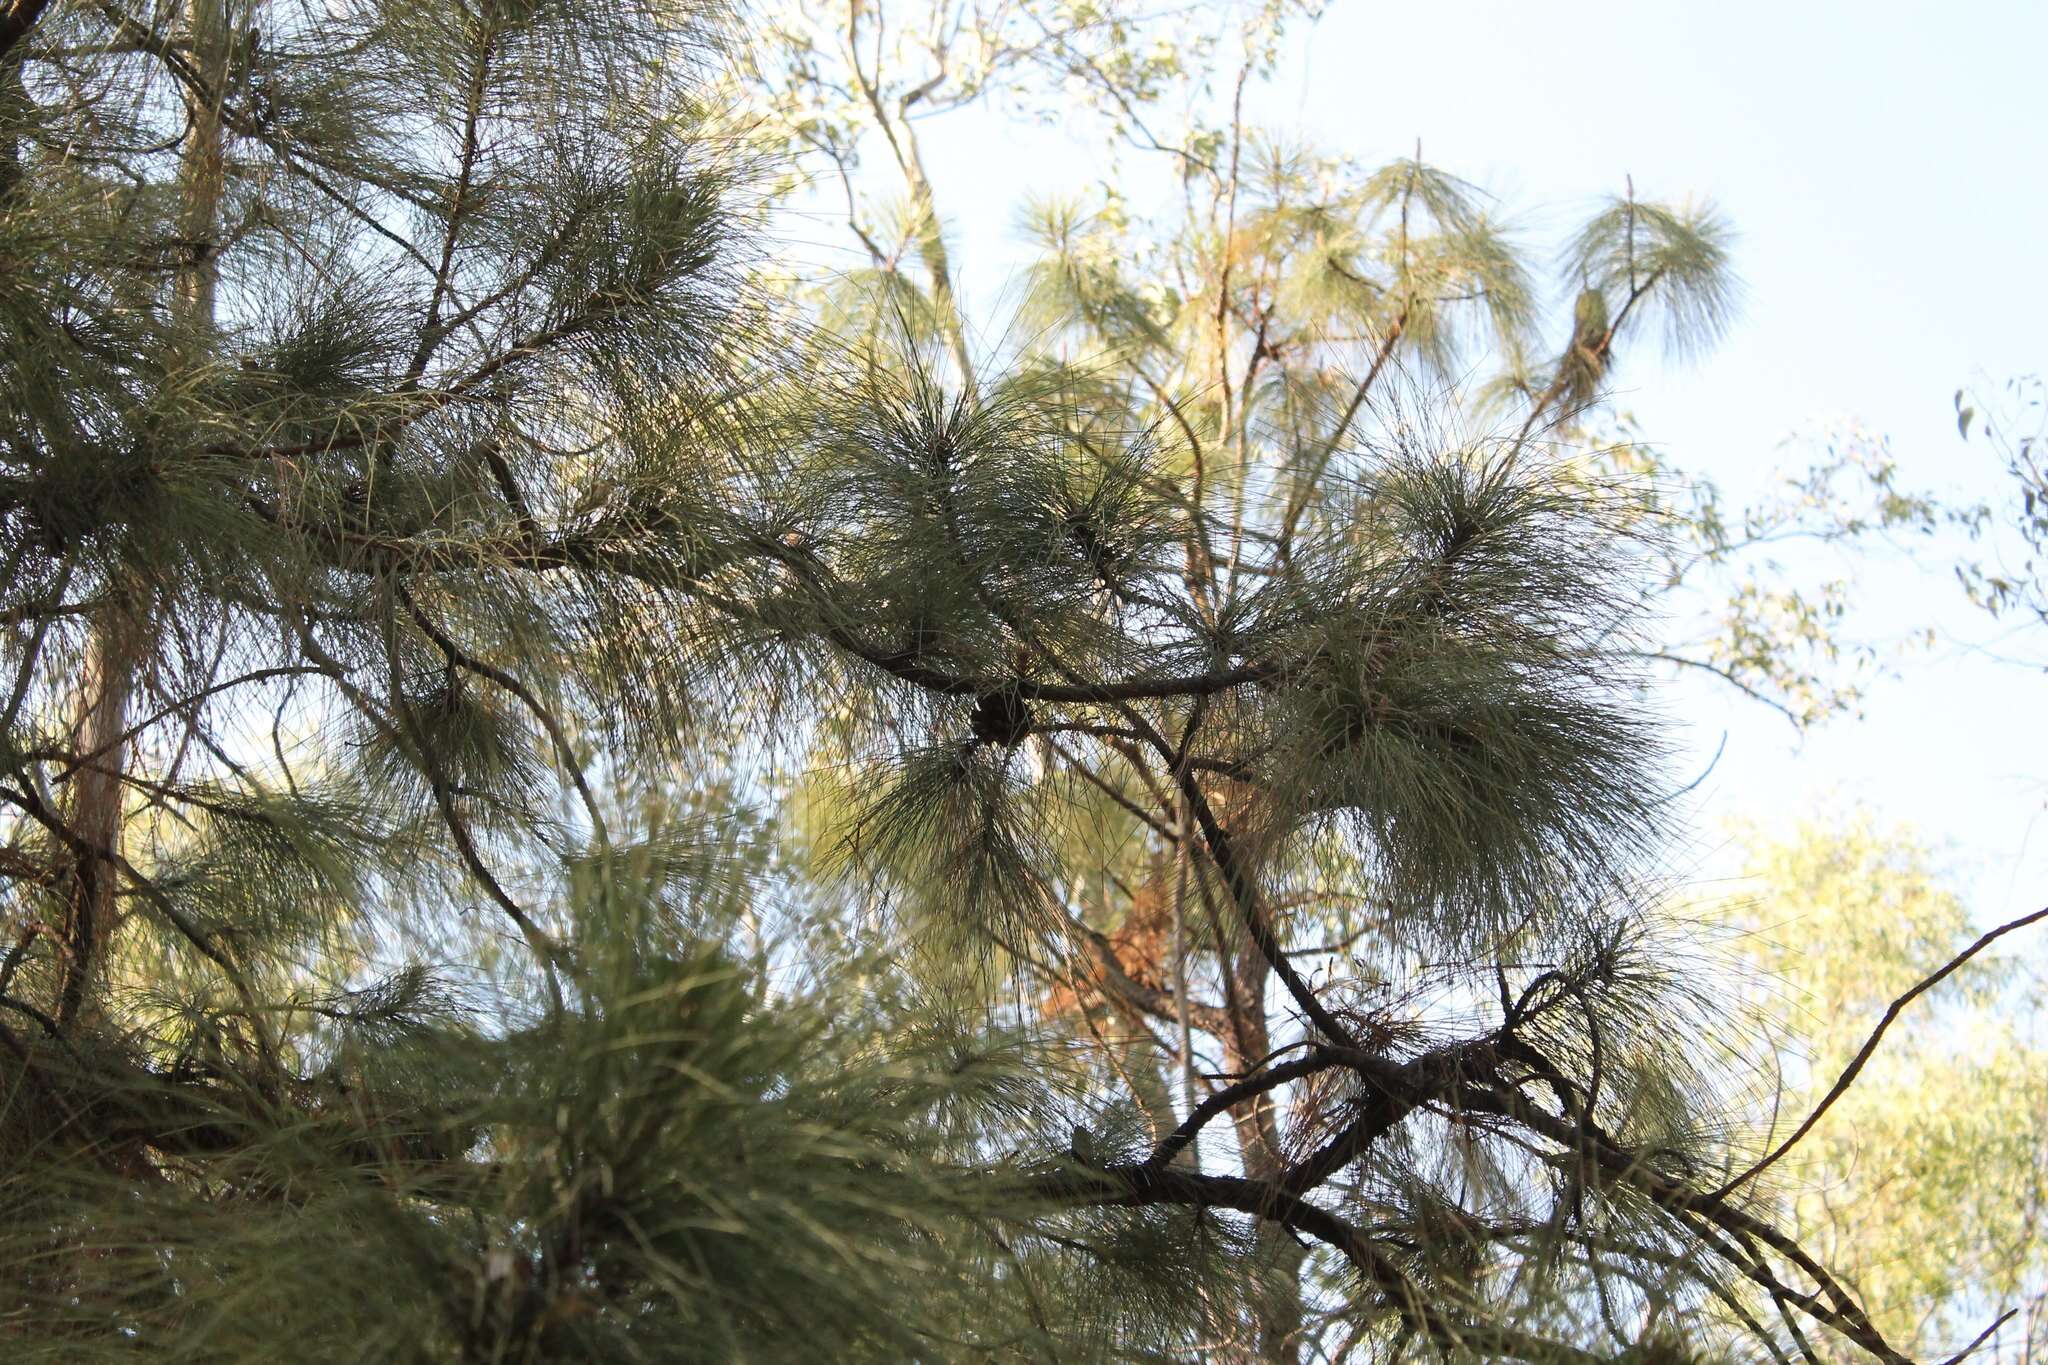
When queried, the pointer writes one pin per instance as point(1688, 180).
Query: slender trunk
point(1278, 1312)
point(124, 629)
point(1190, 1095)
point(202, 175)
point(106, 686)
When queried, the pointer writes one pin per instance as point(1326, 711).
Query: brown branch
point(1960, 1356)
point(1399, 1089)
point(1151, 1000)
point(26, 799)
point(1600, 352)
point(1244, 892)
point(1298, 503)
point(361, 552)
point(1096, 780)
point(431, 330)
point(78, 761)
point(550, 953)
point(1172, 1144)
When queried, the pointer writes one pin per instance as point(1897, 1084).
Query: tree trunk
point(98, 737)
point(1277, 1312)
point(124, 629)
point(202, 174)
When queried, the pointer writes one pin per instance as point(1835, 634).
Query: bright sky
point(1883, 165)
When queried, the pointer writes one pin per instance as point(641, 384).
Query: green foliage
point(676, 1171)
point(1457, 708)
point(428, 541)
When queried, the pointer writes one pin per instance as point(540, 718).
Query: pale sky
point(1886, 167)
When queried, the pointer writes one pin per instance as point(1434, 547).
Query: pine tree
point(424, 544)
point(351, 354)
point(1281, 333)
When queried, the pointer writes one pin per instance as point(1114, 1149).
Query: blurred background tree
point(1926, 1182)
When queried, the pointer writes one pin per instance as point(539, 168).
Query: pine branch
point(1619, 1165)
point(1145, 1184)
point(18, 19)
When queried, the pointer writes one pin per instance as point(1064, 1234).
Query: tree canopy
point(563, 803)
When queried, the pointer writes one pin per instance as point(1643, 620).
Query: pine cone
point(1001, 718)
